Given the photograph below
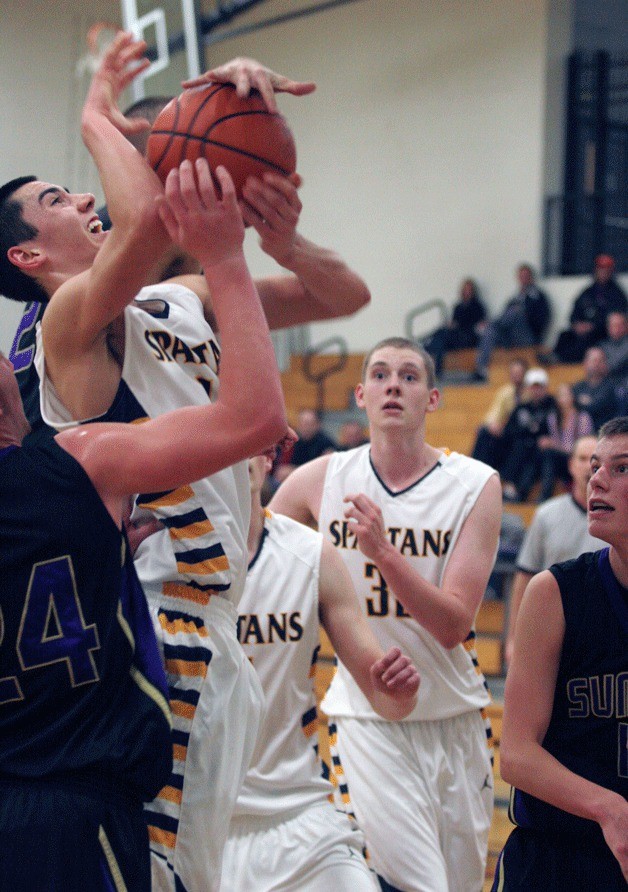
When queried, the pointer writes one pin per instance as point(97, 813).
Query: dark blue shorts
point(532, 860)
point(65, 837)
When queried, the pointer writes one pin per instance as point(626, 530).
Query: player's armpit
point(299, 496)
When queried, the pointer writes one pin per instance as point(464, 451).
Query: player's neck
point(619, 564)
point(256, 525)
point(400, 461)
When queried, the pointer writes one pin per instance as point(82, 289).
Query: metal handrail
point(337, 364)
point(435, 303)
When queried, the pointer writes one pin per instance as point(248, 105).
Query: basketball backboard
point(173, 30)
point(159, 24)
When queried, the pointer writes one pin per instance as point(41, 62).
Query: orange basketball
point(212, 121)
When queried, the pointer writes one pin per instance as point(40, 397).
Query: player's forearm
point(129, 184)
point(518, 588)
point(529, 767)
point(440, 612)
point(330, 288)
point(391, 707)
point(249, 378)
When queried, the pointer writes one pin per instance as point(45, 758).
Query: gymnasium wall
point(425, 152)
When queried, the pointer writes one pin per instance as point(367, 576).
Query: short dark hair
point(614, 428)
point(399, 343)
point(148, 108)
point(14, 230)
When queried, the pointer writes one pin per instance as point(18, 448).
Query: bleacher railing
point(334, 362)
point(420, 314)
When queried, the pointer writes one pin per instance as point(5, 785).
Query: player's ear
point(434, 400)
point(28, 260)
point(359, 395)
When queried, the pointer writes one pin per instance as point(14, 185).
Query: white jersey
point(423, 522)
point(278, 628)
point(558, 532)
point(171, 360)
point(193, 573)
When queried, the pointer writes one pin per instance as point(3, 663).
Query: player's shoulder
point(337, 462)
point(466, 470)
point(173, 291)
point(292, 537)
point(575, 573)
point(43, 456)
point(289, 533)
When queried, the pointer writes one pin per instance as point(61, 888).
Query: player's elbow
point(361, 297)
point(267, 427)
point(354, 299)
point(454, 634)
point(511, 763)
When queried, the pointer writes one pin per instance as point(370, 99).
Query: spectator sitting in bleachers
point(351, 435)
point(522, 322)
point(566, 426)
point(596, 393)
point(615, 347)
point(463, 330)
point(312, 442)
point(489, 441)
point(528, 423)
point(587, 323)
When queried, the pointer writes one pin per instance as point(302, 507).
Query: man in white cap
point(526, 424)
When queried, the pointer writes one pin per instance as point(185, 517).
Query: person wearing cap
point(528, 422)
point(587, 323)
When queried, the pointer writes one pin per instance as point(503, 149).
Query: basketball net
point(99, 37)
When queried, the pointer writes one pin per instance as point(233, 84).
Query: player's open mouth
point(391, 405)
point(95, 225)
point(597, 507)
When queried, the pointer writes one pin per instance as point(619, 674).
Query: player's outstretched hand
point(367, 522)
point(204, 224)
point(615, 830)
point(122, 62)
point(247, 74)
point(395, 674)
point(272, 207)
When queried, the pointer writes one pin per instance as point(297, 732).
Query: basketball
point(213, 122)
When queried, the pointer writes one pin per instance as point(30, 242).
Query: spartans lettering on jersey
point(604, 697)
point(270, 628)
point(411, 543)
point(168, 348)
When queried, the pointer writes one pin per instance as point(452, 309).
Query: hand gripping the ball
point(203, 224)
point(247, 74)
point(273, 207)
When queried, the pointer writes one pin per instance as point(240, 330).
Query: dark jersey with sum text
point(588, 729)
